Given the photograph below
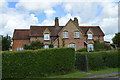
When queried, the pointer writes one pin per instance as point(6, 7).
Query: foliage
point(34, 45)
point(100, 46)
point(63, 42)
point(97, 60)
point(37, 63)
point(82, 50)
point(6, 43)
point(51, 45)
point(116, 39)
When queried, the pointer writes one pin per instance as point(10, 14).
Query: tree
point(116, 39)
point(100, 46)
point(6, 43)
point(34, 45)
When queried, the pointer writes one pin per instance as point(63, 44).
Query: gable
point(70, 27)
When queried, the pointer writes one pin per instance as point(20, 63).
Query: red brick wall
point(18, 43)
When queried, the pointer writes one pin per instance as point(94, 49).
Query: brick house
point(70, 35)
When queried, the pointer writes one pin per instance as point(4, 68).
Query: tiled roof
point(21, 34)
point(38, 30)
point(95, 29)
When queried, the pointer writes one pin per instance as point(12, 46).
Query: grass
point(79, 74)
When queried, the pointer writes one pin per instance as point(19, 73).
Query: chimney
point(76, 21)
point(56, 22)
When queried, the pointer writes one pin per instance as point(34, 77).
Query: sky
point(20, 14)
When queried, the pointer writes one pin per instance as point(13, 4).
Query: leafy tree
point(34, 45)
point(100, 46)
point(116, 39)
point(6, 43)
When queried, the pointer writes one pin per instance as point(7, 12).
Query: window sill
point(65, 38)
point(76, 38)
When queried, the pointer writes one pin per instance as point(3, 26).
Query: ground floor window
point(46, 46)
point(20, 49)
point(55, 46)
point(72, 45)
point(90, 47)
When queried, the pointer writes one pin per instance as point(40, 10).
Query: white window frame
point(55, 46)
point(20, 49)
point(76, 34)
point(90, 36)
point(65, 34)
point(90, 47)
point(72, 45)
point(46, 36)
point(46, 46)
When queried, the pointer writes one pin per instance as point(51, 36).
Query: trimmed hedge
point(38, 63)
point(97, 60)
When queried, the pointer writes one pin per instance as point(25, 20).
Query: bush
point(82, 50)
point(97, 60)
point(38, 63)
point(100, 46)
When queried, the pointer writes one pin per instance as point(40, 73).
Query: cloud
point(109, 37)
point(14, 20)
point(49, 12)
point(109, 25)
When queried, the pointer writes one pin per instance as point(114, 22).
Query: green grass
point(78, 74)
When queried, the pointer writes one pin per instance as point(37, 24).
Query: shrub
point(100, 46)
point(97, 60)
point(82, 50)
point(34, 45)
point(38, 63)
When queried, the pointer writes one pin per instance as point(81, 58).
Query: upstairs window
point(90, 36)
point(65, 34)
point(76, 34)
point(46, 36)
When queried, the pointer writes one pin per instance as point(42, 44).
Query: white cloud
point(109, 37)
point(49, 12)
point(109, 25)
point(33, 5)
point(13, 20)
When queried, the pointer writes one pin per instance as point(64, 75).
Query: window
point(46, 36)
point(72, 45)
point(90, 36)
point(55, 46)
point(20, 49)
point(46, 46)
point(90, 47)
point(76, 35)
point(65, 34)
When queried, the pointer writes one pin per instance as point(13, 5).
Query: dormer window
point(46, 36)
point(76, 34)
point(65, 34)
point(90, 36)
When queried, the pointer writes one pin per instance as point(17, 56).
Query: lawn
point(79, 74)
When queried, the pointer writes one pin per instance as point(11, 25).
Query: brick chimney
point(76, 21)
point(56, 22)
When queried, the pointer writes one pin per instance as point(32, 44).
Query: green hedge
point(38, 63)
point(97, 60)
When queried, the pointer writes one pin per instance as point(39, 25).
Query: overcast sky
point(20, 14)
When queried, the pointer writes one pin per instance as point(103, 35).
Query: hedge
point(37, 63)
point(97, 60)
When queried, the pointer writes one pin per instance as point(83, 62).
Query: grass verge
point(79, 74)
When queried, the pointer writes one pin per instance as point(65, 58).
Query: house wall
point(70, 27)
point(18, 43)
